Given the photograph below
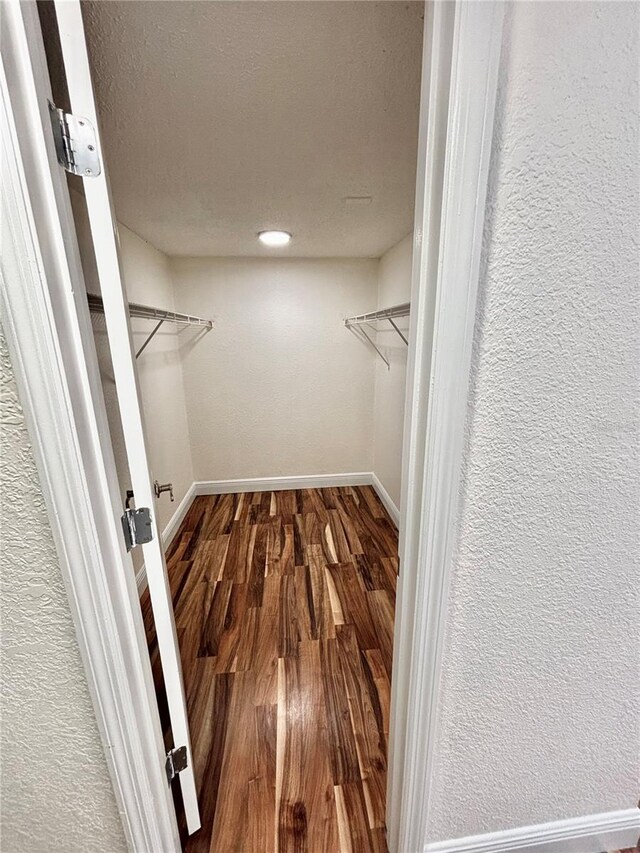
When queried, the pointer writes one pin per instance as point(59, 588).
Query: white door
point(105, 245)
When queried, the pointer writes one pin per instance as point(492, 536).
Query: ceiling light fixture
point(274, 239)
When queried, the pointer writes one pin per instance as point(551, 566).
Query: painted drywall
point(539, 710)
point(148, 281)
point(394, 287)
point(285, 109)
point(55, 790)
point(279, 387)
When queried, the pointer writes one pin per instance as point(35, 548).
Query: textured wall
point(148, 281)
point(279, 387)
point(394, 287)
point(539, 707)
point(55, 791)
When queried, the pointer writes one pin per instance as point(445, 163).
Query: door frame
point(50, 339)
point(460, 75)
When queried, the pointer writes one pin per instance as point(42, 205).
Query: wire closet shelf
point(391, 314)
point(147, 312)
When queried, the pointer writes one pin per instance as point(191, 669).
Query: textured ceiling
point(224, 118)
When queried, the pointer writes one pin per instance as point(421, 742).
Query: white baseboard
point(177, 518)
point(277, 484)
point(141, 579)
point(170, 530)
point(385, 497)
point(590, 834)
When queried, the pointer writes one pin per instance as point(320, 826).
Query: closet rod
point(357, 324)
point(402, 310)
point(148, 313)
point(136, 310)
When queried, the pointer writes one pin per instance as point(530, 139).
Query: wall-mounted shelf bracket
point(149, 313)
point(357, 324)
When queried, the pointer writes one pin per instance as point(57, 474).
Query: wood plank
point(261, 834)
point(382, 684)
point(324, 625)
point(343, 754)
point(231, 820)
point(382, 611)
point(340, 541)
point(233, 629)
point(258, 567)
point(355, 833)
point(208, 718)
point(239, 552)
point(265, 664)
point(288, 630)
point(306, 808)
point(355, 604)
point(367, 723)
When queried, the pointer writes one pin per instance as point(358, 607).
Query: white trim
point(177, 518)
point(141, 579)
point(385, 497)
point(172, 527)
point(590, 834)
point(460, 80)
point(50, 341)
point(277, 484)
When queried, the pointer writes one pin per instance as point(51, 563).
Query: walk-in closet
point(261, 158)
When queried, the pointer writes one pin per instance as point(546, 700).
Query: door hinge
point(76, 144)
point(176, 762)
point(136, 524)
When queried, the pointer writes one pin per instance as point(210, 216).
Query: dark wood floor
point(284, 605)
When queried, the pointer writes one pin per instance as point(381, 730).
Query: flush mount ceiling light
point(274, 239)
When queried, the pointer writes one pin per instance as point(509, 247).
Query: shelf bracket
point(144, 345)
point(373, 344)
point(398, 331)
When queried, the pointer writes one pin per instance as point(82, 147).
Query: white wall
point(55, 790)
point(539, 713)
point(279, 386)
point(148, 281)
point(394, 287)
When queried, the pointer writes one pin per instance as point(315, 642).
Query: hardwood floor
point(284, 605)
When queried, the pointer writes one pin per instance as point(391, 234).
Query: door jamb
point(50, 340)
point(459, 86)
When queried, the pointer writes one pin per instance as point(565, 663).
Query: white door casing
point(463, 42)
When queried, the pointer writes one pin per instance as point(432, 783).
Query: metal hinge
point(176, 762)
point(136, 524)
point(76, 145)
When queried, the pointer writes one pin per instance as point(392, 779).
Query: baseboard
point(141, 579)
point(177, 518)
point(278, 484)
point(385, 497)
point(170, 530)
point(590, 834)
